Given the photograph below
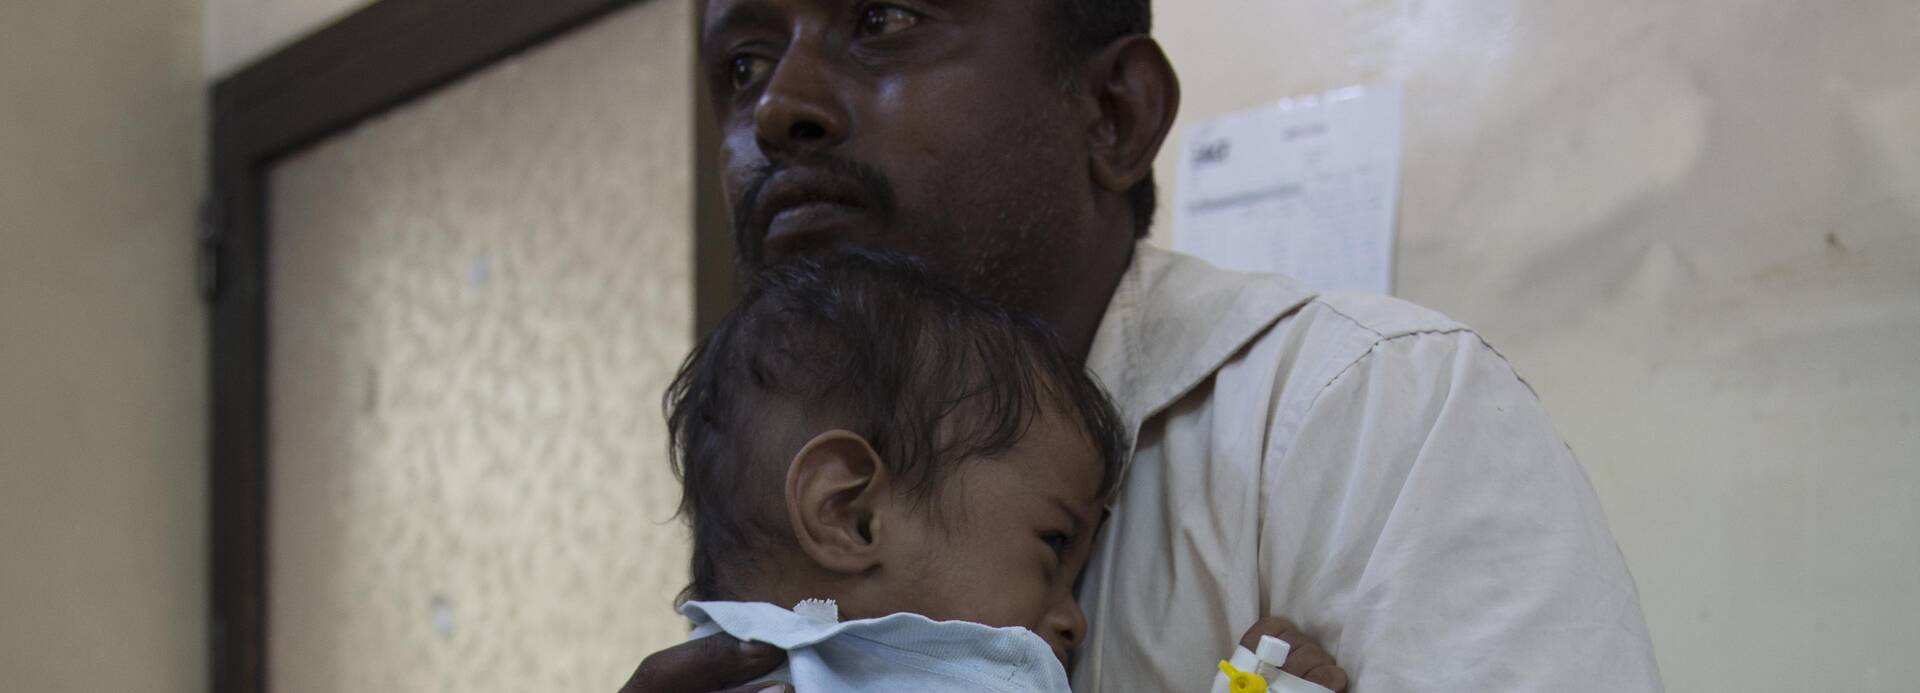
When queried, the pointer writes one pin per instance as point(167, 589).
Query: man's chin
point(804, 247)
point(811, 242)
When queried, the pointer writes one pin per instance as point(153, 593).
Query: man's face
point(930, 127)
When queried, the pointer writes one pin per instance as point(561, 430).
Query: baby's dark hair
point(931, 376)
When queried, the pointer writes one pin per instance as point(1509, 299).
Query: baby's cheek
point(961, 590)
point(984, 577)
point(1011, 597)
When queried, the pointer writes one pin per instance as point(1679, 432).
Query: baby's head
point(857, 431)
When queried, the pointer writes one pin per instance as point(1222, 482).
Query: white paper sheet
point(1307, 187)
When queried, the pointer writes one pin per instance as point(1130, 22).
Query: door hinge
point(207, 252)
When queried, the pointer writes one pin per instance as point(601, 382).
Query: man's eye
point(882, 20)
point(746, 70)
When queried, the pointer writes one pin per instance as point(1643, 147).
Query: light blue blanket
point(902, 652)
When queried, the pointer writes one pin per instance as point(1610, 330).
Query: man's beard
point(750, 233)
point(1005, 255)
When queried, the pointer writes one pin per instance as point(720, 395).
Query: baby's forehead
point(1054, 459)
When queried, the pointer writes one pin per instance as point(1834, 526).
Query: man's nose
point(800, 107)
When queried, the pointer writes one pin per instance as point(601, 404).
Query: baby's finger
point(1277, 627)
point(1330, 676)
point(1306, 657)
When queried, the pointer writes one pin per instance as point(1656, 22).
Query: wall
point(479, 299)
point(241, 31)
point(102, 348)
point(1695, 227)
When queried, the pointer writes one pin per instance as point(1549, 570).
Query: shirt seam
point(1381, 339)
point(1372, 349)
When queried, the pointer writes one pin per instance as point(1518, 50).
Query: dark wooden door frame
point(380, 57)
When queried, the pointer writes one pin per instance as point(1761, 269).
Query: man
point(1368, 468)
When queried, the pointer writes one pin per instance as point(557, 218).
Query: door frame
point(368, 63)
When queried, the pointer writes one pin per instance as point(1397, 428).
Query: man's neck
point(1083, 302)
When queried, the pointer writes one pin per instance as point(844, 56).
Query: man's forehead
point(717, 10)
point(716, 7)
point(722, 14)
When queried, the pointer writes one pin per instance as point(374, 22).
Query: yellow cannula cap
point(1242, 681)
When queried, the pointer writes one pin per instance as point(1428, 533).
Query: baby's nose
point(1067, 623)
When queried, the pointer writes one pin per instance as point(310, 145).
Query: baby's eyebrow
point(1079, 519)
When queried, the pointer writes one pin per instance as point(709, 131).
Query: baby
point(898, 484)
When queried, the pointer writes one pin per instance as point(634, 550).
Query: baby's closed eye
point(1058, 541)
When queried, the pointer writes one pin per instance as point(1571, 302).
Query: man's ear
point(1138, 95)
point(834, 487)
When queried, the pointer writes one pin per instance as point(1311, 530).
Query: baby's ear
point(834, 487)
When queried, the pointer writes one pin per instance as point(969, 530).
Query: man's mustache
point(750, 229)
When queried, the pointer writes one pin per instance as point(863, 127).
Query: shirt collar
point(1173, 321)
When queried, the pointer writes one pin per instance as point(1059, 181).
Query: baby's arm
point(1305, 657)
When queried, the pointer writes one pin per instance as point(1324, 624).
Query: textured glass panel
point(477, 302)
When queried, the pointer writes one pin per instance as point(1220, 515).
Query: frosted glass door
point(477, 301)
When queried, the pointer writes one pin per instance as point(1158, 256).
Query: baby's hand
point(1306, 658)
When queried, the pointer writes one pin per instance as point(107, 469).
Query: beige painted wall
point(1695, 226)
point(102, 348)
point(241, 31)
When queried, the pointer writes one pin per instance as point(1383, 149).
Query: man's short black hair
point(1081, 28)
point(871, 343)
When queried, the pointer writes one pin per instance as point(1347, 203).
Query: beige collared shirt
point(1362, 466)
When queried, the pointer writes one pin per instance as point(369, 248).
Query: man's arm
point(1453, 543)
point(706, 666)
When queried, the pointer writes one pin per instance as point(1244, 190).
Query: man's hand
point(1306, 658)
point(708, 665)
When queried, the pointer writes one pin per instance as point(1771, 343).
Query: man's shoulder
point(1194, 282)
point(1385, 315)
point(1310, 348)
point(1382, 317)
point(1182, 321)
